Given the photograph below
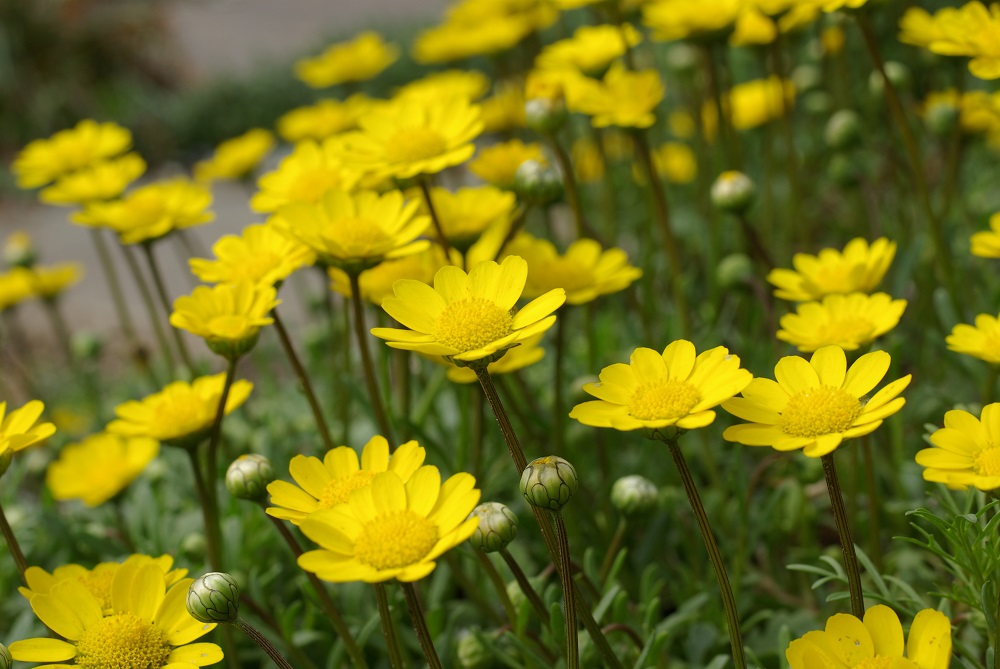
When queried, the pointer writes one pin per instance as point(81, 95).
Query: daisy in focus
point(262, 254)
point(228, 316)
point(815, 405)
point(859, 268)
point(99, 467)
point(848, 321)
point(966, 450)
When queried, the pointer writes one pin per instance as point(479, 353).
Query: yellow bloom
point(848, 321)
point(674, 162)
point(466, 213)
point(412, 137)
point(623, 98)
point(97, 182)
point(980, 341)
point(356, 231)
point(834, 5)
point(391, 529)
point(237, 157)
point(99, 467)
point(682, 19)
point(676, 389)
point(979, 111)
point(815, 405)
point(16, 286)
point(588, 163)
point(151, 212)
point(305, 175)
point(20, 428)
point(46, 160)
point(585, 272)
point(376, 282)
point(318, 121)
point(590, 50)
point(466, 84)
point(360, 59)
point(505, 110)
point(987, 244)
point(148, 626)
point(966, 451)
point(323, 484)
point(971, 30)
point(454, 41)
point(228, 316)
point(498, 163)
point(753, 28)
point(468, 317)
point(750, 104)
point(519, 357)
point(859, 268)
point(182, 413)
point(877, 641)
point(263, 254)
point(48, 282)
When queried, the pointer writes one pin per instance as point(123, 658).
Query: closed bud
point(733, 192)
point(545, 115)
point(248, 476)
point(843, 130)
point(19, 251)
point(634, 495)
point(86, 345)
point(6, 661)
point(497, 527)
point(682, 58)
point(549, 482)
point(473, 651)
point(898, 74)
point(807, 78)
point(734, 270)
point(537, 183)
point(214, 598)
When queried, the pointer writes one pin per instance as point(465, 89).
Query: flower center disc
point(396, 539)
point(821, 410)
point(339, 489)
point(359, 237)
point(987, 461)
point(413, 144)
point(665, 400)
point(122, 641)
point(472, 323)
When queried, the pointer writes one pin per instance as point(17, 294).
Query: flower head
point(504, 110)
point(987, 244)
point(95, 183)
point(858, 268)
point(497, 527)
point(262, 254)
point(468, 317)
point(45, 160)
point(590, 50)
point(528, 353)
point(497, 164)
point(214, 598)
point(16, 286)
point(182, 413)
point(966, 450)
point(325, 118)
point(661, 393)
point(323, 484)
point(971, 30)
point(360, 59)
point(751, 104)
point(875, 641)
point(228, 316)
point(391, 529)
point(680, 19)
point(237, 157)
point(99, 467)
point(148, 625)
point(624, 99)
point(455, 40)
point(466, 84)
point(49, 282)
point(305, 175)
point(466, 213)
point(848, 321)
point(980, 341)
point(20, 428)
point(815, 405)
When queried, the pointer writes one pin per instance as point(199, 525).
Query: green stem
point(990, 385)
point(613, 548)
point(212, 464)
point(569, 184)
point(529, 590)
point(117, 297)
point(307, 388)
point(425, 190)
point(520, 217)
point(120, 520)
point(161, 289)
point(569, 591)
point(371, 381)
point(388, 629)
point(262, 641)
point(420, 625)
point(478, 432)
point(498, 585)
point(151, 310)
point(724, 129)
point(728, 600)
point(506, 429)
point(844, 532)
point(558, 412)
point(13, 546)
point(344, 372)
point(208, 512)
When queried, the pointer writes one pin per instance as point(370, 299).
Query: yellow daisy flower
point(16, 286)
point(376, 282)
point(987, 244)
point(182, 413)
point(585, 272)
point(228, 316)
point(391, 529)
point(99, 467)
point(467, 84)
point(676, 389)
point(876, 641)
point(966, 450)
point(980, 341)
point(323, 484)
point(815, 405)
point(49, 282)
point(624, 99)
point(305, 175)
point(148, 626)
point(151, 212)
point(859, 268)
point(519, 357)
point(972, 30)
point(466, 213)
point(237, 157)
point(503, 111)
point(20, 428)
point(45, 160)
point(753, 28)
point(590, 50)
point(588, 163)
point(360, 59)
point(675, 162)
point(497, 164)
point(750, 104)
point(100, 181)
point(468, 317)
point(262, 254)
point(453, 41)
point(682, 19)
point(411, 137)
point(356, 231)
point(848, 321)
point(325, 118)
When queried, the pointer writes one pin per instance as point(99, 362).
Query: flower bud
point(6, 661)
point(86, 345)
point(807, 78)
point(6, 457)
point(733, 192)
point(898, 74)
point(941, 119)
point(734, 270)
point(537, 183)
point(497, 527)
point(214, 598)
point(843, 130)
point(681, 58)
point(473, 651)
point(194, 545)
point(19, 251)
point(248, 476)
point(634, 495)
point(545, 115)
point(549, 482)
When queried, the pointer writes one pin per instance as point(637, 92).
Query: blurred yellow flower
point(859, 268)
point(753, 28)
point(750, 105)
point(624, 98)
point(848, 321)
point(450, 42)
point(325, 118)
point(980, 341)
point(360, 59)
point(987, 244)
point(99, 181)
point(376, 282)
point(16, 286)
point(466, 84)
point(323, 484)
point(236, 158)
point(228, 316)
point(519, 357)
point(466, 213)
point(20, 428)
point(151, 212)
point(99, 467)
point(505, 109)
point(45, 160)
point(588, 163)
point(263, 254)
point(682, 19)
point(674, 162)
point(182, 413)
point(972, 30)
point(498, 163)
point(591, 49)
point(48, 282)
point(305, 175)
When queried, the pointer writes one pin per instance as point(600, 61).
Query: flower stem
point(844, 532)
point(529, 590)
point(262, 641)
point(300, 372)
point(558, 412)
point(151, 310)
point(728, 600)
point(13, 546)
point(996, 633)
point(506, 429)
point(361, 333)
point(569, 184)
point(210, 515)
point(498, 585)
point(425, 189)
point(117, 297)
point(161, 289)
point(420, 625)
point(388, 629)
point(990, 385)
point(569, 591)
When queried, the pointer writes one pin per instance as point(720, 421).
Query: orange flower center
point(413, 144)
point(339, 489)
point(820, 410)
point(396, 539)
point(664, 400)
point(472, 323)
point(122, 641)
point(987, 461)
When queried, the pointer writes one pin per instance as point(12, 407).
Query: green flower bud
point(634, 495)
point(214, 598)
point(898, 74)
point(19, 250)
point(6, 661)
point(941, 119)
point(473, 651)
point(86, 345)
point(537, 183)
point(248, 476)
point(549, 482)
point(733, 192)
point(807, 78)
point(682, 58)
point(497, 527)
point(734, 270)
point(843, 130)
point(5, 459)
point(545, 115)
